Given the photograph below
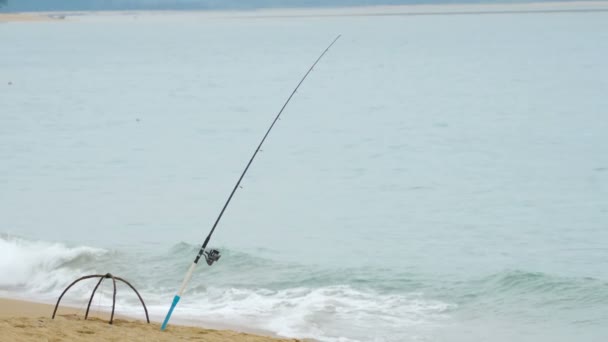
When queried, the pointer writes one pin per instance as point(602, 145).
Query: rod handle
point(173, 305)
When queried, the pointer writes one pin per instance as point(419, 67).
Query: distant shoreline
point(23, 17)
point(397, 10)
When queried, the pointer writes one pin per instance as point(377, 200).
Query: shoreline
point(24, 320)
point(356, 11)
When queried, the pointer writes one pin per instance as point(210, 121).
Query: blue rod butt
point(173, 305)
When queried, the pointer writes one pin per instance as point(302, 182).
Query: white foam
point(340, 313)
point(324, 314)
point(38, 267)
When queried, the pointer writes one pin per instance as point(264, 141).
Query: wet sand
point(22, 321)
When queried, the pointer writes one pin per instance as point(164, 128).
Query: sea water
point(436, 178)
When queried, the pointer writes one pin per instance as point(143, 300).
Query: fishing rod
point(213, 255)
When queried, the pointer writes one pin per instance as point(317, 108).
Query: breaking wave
point(39, 266)
point(293, 300)
point(322, 306)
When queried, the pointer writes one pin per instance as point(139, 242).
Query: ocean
point(436, 178)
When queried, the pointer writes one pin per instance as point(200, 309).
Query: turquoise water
point(437, 178)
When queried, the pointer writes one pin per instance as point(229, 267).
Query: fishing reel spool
point(211, 256)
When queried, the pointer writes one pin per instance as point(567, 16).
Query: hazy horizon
point(83, 5)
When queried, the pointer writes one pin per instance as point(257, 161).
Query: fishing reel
point(211, 256)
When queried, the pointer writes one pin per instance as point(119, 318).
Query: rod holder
point(101, 279)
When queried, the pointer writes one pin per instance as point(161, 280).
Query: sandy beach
point(28, 321)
